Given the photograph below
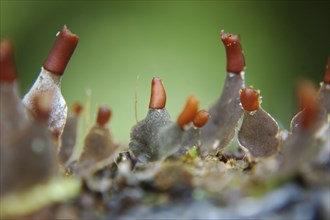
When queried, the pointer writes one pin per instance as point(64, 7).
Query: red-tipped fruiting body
point(250, 99)
point(61, 52)
point(103, 115)
point(309, 104)
point(7, 65)
point(77, 108)
point(234, 52)
point(201, 118)
point(158, 95)
point(326, 79)
point(189, 111)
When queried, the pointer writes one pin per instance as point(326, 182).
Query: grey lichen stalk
point(145, 135)
point(225, 115)
point(68, 139)
point(191, 138)
point(50, 82)
point(13, 115)
point(259, 133)
point(324, 94)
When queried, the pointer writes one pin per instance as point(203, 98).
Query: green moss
point(192, 152)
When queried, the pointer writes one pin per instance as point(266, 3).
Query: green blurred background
point(178, 41)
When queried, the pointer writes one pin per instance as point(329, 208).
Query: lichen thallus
point(257, 123)
point(31, 129)
point(13, 116)
point(226, 112)
point(34, 130)
point(69, 135)
point(156, 137)
point(49, 79)
point(99, 146)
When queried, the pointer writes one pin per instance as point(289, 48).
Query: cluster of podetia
point(37, 138)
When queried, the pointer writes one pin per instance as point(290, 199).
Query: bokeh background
point(179, 41)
